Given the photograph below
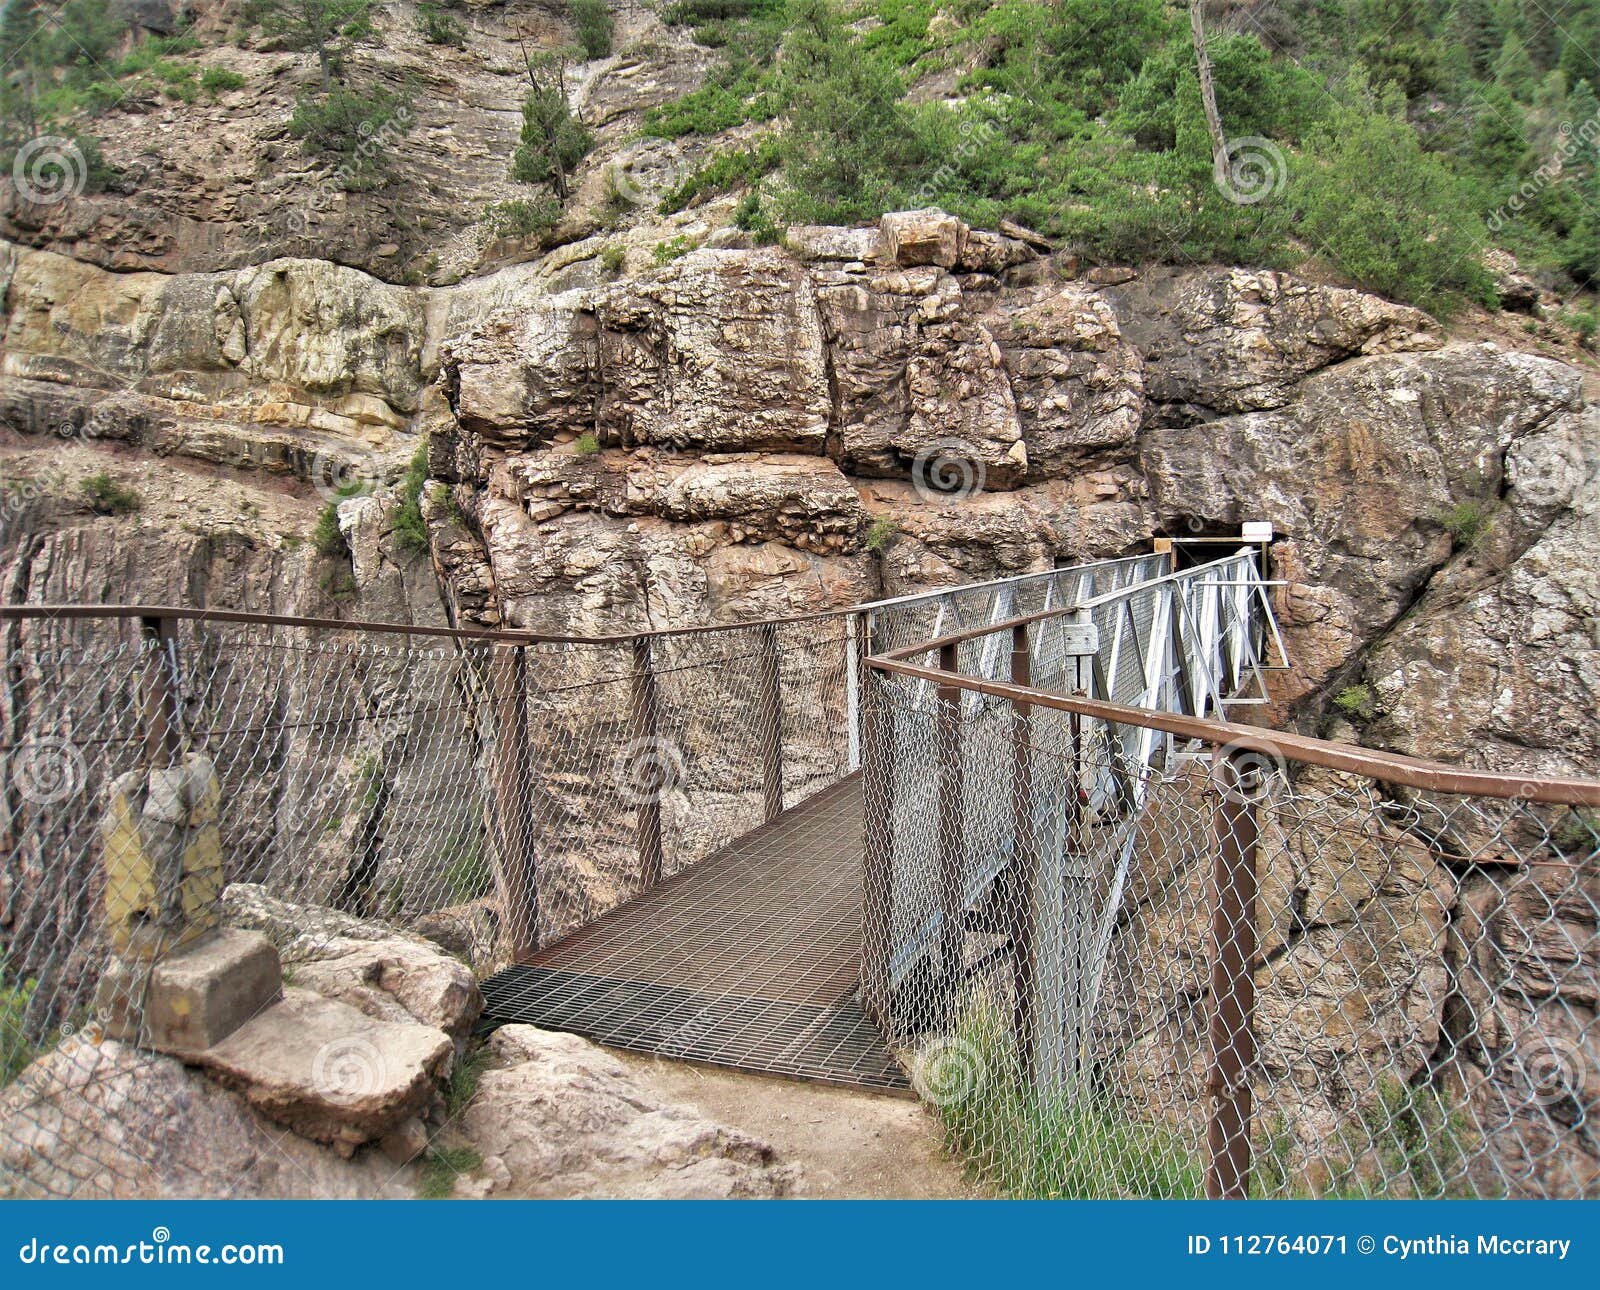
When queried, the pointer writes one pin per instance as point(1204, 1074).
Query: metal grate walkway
point(748, 959)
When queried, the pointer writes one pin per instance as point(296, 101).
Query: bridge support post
point(1025, 859)
point(513, 805)
point(952, 878)
point(1233, 991)
point(162, 737)
point(646, 709)
point(877, 895)
point(770, 716)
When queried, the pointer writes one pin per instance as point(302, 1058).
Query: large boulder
point(1364, 477)
point(98, 1118)
point(556, 1116)
point(1498, 665)
point(1240, 340)
point(330, 1073)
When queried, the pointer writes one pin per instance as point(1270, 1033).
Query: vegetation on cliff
point(1392, 143)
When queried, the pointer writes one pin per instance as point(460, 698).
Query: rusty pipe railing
point(1386, 767)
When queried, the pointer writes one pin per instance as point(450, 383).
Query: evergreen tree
point(326, 26)
point(553, 141)
point(849, 137)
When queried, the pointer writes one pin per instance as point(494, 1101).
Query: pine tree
point(553, 141)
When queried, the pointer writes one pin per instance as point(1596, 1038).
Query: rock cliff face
point(757, 431)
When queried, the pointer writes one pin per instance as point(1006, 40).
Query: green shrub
point(523, 218)
point(1390, 215)
point(350, 125)
point(673, 248)
point(1467, 523)
point(410, 528)
point(437, 27)
point(586, 444)
point(106, 496)
point(441, 1166)
point(1577, 836)
point(217, 80)
point(16, 998)
point(326, 538)
point(552, 141)
point(613, 255)
point(592, 21)
point(1357, 702)
point(338, 583)
point(1028, 1144)
point(850, 142)
point(469, 875)
point(1409, 1143)
point(178, 80)
point(881, 532)
point(724, 171)
point(751, 215)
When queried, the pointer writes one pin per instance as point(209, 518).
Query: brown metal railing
point(1240, 753)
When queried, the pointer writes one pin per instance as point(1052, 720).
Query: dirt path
point(851, 1144)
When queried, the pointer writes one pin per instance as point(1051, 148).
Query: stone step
point(330, 1072)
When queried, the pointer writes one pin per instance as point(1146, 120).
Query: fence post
point(514, 874)
point(1025, 858)
point(952, 897)
point(162, 735)
point(1233, 991)
point(770, 715)
point(877, 799)
point(646, 708)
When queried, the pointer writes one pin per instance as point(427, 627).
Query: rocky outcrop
point(1402, 993)
point(383, 972)
point(1498, 665)
point(1221, 341)
point(1364, 476)
point(329, 1072)
point(98, 1118)
point(556, 1116)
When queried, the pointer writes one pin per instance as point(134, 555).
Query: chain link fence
point(492, 794)
point(1121, 962)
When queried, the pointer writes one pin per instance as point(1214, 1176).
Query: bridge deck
point(748, 959)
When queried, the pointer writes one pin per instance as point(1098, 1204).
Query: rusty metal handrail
point(1389, 768)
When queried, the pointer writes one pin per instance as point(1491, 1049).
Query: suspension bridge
point(667, 973)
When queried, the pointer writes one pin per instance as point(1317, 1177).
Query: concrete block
point(195, 998)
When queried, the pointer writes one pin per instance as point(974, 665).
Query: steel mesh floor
point(748, 960)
